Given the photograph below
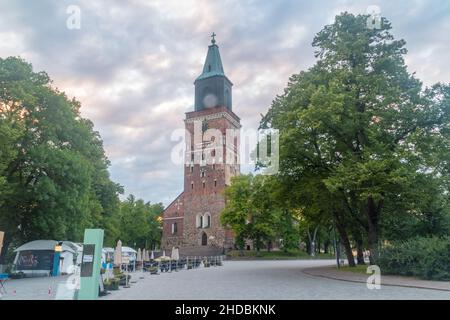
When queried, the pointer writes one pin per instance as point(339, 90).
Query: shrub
point(426, 258)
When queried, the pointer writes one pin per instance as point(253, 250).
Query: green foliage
point(54, 179)
point(273, 255)
point(427, 258)
point(139, 223)
point(359, 137)
point(253, 212)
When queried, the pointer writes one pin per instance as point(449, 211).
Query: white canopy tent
point(129, 254)
point(35, 258)
point(107, 255)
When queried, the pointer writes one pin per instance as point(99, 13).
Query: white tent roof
point(108, 249)
point(44, 245)
point(128, 249)
point(75, 246)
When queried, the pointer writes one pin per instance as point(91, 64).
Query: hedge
point(426, 258)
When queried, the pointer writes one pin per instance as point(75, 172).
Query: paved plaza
point(239, 280)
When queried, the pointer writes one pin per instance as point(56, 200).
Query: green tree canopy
point(362, 128)
point(54, 179)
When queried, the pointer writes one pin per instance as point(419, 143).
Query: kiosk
point(91, 264)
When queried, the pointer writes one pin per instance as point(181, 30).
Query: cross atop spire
point(213, 63)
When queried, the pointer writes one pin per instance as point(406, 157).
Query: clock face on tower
point(210, 100)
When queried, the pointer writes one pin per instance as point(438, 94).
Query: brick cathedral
point(192, 221)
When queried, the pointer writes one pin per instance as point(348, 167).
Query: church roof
point(213, 63)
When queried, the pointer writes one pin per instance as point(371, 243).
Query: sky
point(132, 63)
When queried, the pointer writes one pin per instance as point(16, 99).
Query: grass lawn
point(274, 255)
point(357, 269)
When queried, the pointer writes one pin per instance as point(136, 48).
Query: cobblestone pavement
point(261, 280)
point(238, 280)
point(43, 288)
point(387, 280)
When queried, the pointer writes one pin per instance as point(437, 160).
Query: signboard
point(88, 258)
point(35, 260)
point(91, 264)
point(87, 261)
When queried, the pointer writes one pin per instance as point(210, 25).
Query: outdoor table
point(3, 278)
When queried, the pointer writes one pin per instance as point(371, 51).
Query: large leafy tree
point(253, 212)
point(363, 128)
point(53, 171)
point(139, 223)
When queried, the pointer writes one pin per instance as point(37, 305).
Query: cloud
point(132, 64)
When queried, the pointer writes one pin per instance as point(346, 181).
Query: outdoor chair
point(164, 267)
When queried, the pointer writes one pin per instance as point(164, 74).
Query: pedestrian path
point(42, 288)
point(257, 280)
point(235, 280)
point(331, 272)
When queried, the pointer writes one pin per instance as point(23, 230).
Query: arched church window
point(174, 228)
point(204, 239)
point(199, 221)
point(207, 220)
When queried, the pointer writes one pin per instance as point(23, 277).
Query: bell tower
point(211, 159)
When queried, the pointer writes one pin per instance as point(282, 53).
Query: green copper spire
point(212, 87)
point(213, 63)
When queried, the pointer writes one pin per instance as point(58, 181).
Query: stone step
point(204, 251)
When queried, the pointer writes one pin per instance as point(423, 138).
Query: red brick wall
point(174, 213)
point(203, 199)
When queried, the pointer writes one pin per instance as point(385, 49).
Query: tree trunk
point(308, 246)
point(325, 246)
point(345, 240)
point(360, 253)
point(359, 247)
point(312, 242)
point(373, 215)
point(4, 253)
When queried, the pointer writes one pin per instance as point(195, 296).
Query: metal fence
point(184, 263)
